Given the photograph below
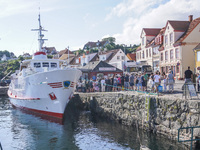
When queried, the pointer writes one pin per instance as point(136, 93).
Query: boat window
point(53, 65)
point(37, 65)
point(45, 64)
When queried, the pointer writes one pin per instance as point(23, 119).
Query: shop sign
point(107, 69)
point(198, 68)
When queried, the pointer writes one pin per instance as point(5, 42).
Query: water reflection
point(81, 130)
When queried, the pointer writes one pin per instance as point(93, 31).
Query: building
point(173, 44)
point(144, 52)
point(50, 50)
point(115, 58)
point(197, 58)
point(180, 38)
point(99, 69)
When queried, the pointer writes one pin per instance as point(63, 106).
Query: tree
point(109, 39)
point(21, 58)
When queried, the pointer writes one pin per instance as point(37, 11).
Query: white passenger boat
point(43, 85)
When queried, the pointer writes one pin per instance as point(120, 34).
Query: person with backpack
point(119, 85)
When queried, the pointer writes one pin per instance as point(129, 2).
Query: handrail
point(191, 140)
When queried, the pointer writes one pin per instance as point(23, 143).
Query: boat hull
point(44, 93)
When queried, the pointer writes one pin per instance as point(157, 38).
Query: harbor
point(156, 115)
point(108, 75)
point(81, 130)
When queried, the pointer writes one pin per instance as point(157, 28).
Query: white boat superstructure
point(43, 85)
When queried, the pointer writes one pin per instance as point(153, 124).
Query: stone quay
point(160, 114)
point(3, 90)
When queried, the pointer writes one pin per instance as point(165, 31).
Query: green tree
point(110, 39)
point(12, 66)
point(21, 58)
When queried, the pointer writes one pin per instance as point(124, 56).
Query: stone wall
point(3, 90)
point(163, 114)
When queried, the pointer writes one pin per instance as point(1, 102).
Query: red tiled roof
point(179, 25)
point(131, 56)
point(151, 31)
point(192, 25)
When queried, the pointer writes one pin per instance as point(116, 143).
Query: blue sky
point(75, 22)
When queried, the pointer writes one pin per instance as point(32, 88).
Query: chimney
point(190, 18)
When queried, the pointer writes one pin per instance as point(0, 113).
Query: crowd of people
point(128, 82)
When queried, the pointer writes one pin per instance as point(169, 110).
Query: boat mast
point(40, 35)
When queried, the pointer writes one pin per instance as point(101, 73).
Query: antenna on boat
point(40, 35)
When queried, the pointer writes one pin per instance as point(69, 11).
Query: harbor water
point(81, 130)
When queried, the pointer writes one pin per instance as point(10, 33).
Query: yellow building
point(197, 58)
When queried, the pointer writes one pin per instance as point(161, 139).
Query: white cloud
point(130, 7)
point(13, 7)
point(152, 17)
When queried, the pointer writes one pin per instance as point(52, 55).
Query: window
point(177, 53)
point(118, 57)
point(171, 54)
point(53, 65)
point(122, 57)
point(37, 65)
point(147, 53)
point(166, 39)
point(166, 55)
point(143, 41)
point(45, 64)
point(142, 54)
point(161, 56)
point(198, 56)
point(171, 38)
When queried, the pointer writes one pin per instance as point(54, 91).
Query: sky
point(73, 23)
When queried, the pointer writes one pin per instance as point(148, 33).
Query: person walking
point(188, 75)
point(126, 82)
point(143, 82)
point(164, 77)
point(198, 82)
point(146, 78)
point(119, 85)
point(131, 82)
point(170, 79)
point(122, 82)
point(115, 84)
point(103, 84)
point(157, 80)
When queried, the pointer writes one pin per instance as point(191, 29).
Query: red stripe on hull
point(47, 113)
